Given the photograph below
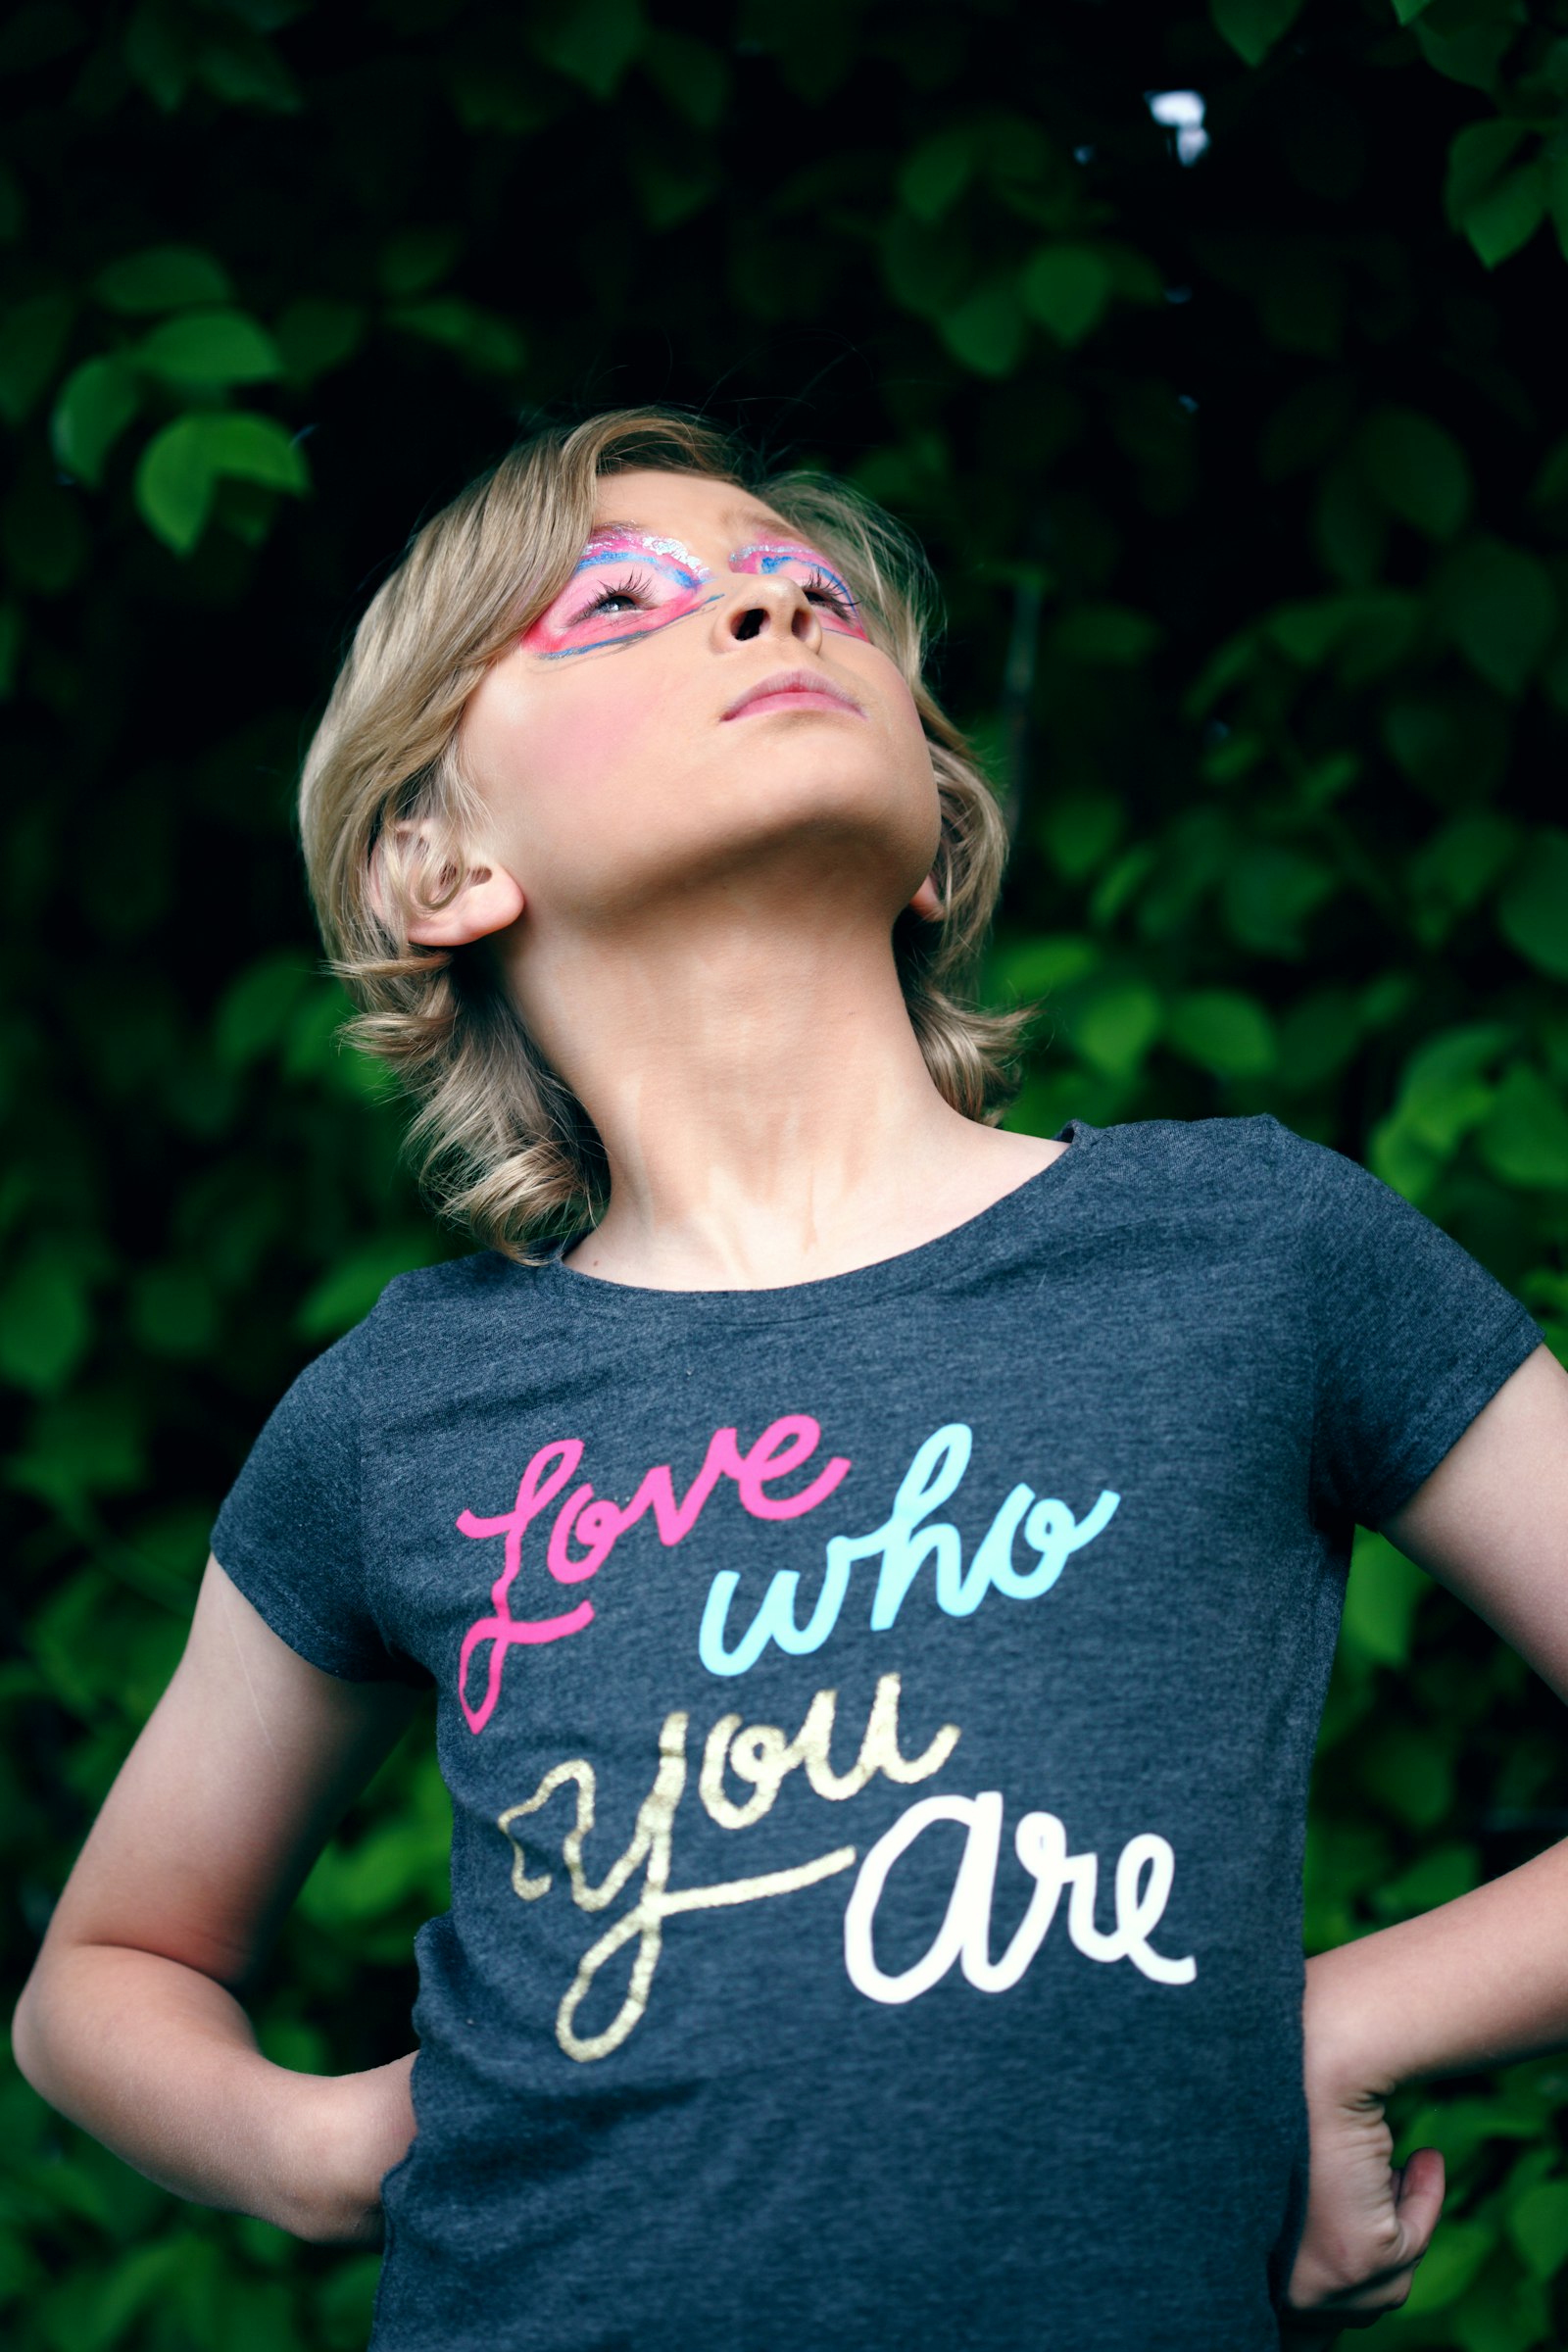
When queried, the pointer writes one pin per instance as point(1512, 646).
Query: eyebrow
point(737, 517)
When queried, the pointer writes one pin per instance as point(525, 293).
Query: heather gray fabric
point(876, 1878)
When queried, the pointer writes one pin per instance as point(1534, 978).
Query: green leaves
point(163, 277)
point(1499, 607)
point(1496, 200)
point(1532, 908)
point(592, 42)
point(98, 401)
point(1417, 469)
point(1537, 2227)
point(1066, 288)
point(210, 347)
point(1253, 26)
point(1224, 1031)
point(182, 467)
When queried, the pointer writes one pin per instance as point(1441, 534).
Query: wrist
point(1341, 2064)
point(318, 2182)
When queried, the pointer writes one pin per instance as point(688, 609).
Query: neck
point(762, 1097)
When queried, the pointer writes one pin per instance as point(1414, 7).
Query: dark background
point(1245, 477)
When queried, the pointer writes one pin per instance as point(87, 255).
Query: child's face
point(619, 763)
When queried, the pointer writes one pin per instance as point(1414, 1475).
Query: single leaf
point(1109, 636)
point(1500, 610)
point(1078, 830)
point(252, 448)
point(1381, 1599)
point(1507, 216)
point(694, 77)
point(349, 1290)
point(1269, 892)
point(1444, 1089)
point(485, 340)
point(240, 67)
point(1066, 288)
point(1478, 155)
point(1524, 1138)
point(1223, 1031)
point(986, 330)
point(1252, 27)
point(315, 335)
point(592, 42)
point(96, 404)
point(1114, 1022)
point(174, 484)
point(210, 347)
point(1532, 906)
point(1417, 469)
point(33, 338)
point(45, 1322)
point(931, 181)
point(1537, 2222)
point(416, 259)
point(163, 277)
point(177, 476)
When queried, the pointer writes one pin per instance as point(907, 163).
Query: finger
point(1419, 2190)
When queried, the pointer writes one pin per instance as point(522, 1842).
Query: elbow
point(27, 2036)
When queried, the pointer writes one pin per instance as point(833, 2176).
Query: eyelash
point(607, 596)
point(840, 603)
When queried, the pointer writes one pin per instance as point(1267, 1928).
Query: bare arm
point(132, 2021)
point(1481, 1980)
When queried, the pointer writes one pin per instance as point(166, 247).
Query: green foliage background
point(1245, 481)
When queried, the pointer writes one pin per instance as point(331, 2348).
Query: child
point(880, 1573)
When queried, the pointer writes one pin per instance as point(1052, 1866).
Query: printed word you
point(758, 1755)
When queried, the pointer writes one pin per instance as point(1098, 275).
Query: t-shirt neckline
point(962, 1245)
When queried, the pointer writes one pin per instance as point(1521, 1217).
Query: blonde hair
point(504, 1148)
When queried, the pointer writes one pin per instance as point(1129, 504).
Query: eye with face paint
point(825, 588)
point(625, 583)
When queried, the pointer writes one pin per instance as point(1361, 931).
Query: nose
point(769, 605)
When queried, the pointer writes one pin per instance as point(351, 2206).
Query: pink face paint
point(829, 592)
point(626, 584)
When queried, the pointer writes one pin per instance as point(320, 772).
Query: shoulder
point(1237, 1157)
point(1258, 1153)
point(428, 1309)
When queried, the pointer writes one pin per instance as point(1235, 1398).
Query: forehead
point(689, 503)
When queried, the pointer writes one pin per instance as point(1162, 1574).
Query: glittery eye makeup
point(625, 584)
point(628, 584)
point(827, 589)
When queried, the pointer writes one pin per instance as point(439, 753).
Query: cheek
point(544, 760)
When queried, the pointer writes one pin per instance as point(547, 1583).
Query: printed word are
point(1039, 1842)
point(758, 1756)
point(907, 1538)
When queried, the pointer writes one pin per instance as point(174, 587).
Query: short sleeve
point(288, 1533)
point(1411, 1335)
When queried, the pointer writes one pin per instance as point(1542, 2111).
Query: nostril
point(750, 622)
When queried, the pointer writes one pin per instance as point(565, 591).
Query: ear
point(489, 901)
point(925, 901)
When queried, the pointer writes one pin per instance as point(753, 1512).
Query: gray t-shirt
point(878, 1715)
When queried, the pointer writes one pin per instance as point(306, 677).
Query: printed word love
point(597, 1524)
point(964, 1936)
point(902, 1547)
point(758, 1756)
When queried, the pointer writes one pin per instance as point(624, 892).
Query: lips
point(805, 686)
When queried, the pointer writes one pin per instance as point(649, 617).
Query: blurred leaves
point(1241, 463)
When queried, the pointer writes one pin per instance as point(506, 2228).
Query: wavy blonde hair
point(504, 1148)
